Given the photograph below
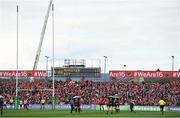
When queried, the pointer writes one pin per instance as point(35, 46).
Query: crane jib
point(42, 37)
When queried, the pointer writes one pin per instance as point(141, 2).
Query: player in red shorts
point(101, 103)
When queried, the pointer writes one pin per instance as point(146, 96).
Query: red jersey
point(101, 101)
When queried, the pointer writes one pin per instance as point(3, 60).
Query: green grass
point(94, 114)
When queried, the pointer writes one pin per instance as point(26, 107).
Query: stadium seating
point(142, 93)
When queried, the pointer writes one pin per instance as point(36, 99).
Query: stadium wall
point(97, 107)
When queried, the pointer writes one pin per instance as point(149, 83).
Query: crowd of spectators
point(90, 92)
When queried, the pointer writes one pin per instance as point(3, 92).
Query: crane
point(42, 37)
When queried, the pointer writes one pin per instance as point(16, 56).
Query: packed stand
point(141, 93)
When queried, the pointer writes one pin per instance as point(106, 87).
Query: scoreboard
point(77, 72)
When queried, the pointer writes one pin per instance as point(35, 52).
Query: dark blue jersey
point(71, 101)
point(77, 102)
point(1, 101)
point(111, 100)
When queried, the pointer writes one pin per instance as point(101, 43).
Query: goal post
point(53, 100)
point(16, 102)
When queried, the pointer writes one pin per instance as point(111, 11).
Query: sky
point(141, 34)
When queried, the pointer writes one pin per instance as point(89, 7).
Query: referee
point(162, 104)
point(43, 103)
